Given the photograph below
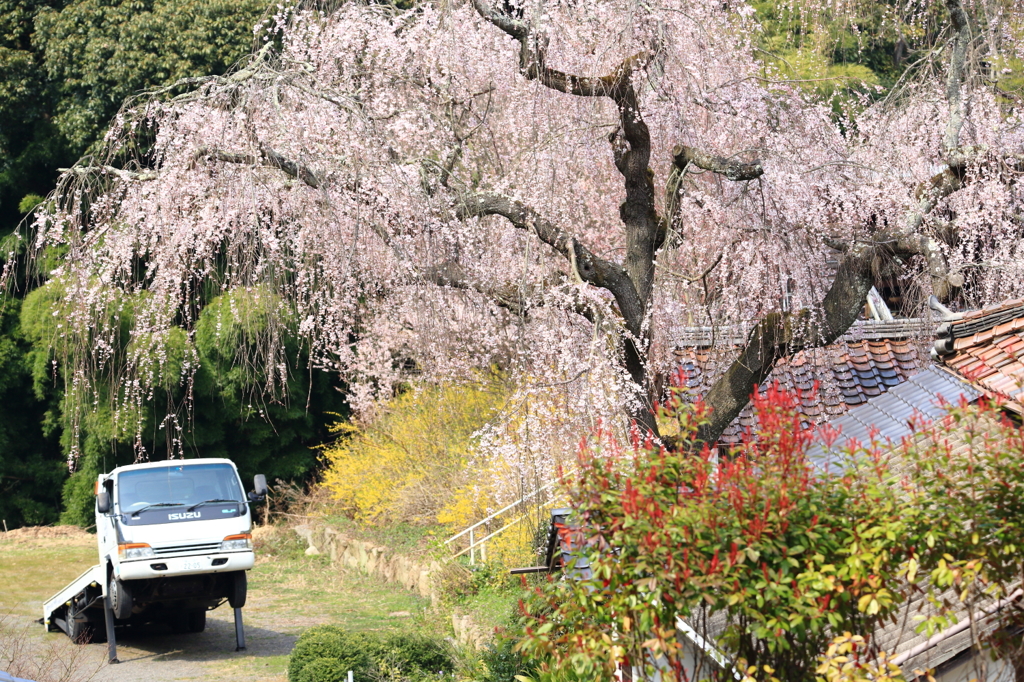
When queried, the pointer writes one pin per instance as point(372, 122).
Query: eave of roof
point(986, 348)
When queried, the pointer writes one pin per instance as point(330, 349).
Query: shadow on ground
point(157, 642)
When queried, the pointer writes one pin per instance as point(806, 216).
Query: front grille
point(203, 548)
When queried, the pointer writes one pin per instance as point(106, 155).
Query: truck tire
point(238, 590)
point(179, 622)
point(120, 599)
point(197, 620)
point(79, 631)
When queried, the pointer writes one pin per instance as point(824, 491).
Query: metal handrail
point(500, 512)
point(481, 543)
point(482, 540)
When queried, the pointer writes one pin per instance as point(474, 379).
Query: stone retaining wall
point(416, 576)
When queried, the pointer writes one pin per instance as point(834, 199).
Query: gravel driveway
point(288, 592)
point(153, 653)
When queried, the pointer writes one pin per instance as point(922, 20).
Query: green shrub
point(326, 653)
point(504, 663)
point(323, 670)
point(413, 653)
point(348, 651)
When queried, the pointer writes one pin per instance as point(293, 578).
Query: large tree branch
point(592, 269)
point(532, 60)
point(729, 167)
point(268, 157)
point(631, 145)
point(778, 334)
point(683, 157)
point(782, 334)
point(515, 298)
point(632, 158)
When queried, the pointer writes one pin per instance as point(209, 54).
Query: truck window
point(177, 484)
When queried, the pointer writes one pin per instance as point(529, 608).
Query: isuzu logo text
point(184, 515)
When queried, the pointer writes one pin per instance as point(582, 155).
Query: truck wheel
point(79, 631)
point(120, 599)
point(178, 622)
point(196, 621)
point(238, 589)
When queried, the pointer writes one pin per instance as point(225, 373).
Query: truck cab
point(174, 541)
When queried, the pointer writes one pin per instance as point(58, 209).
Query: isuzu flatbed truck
point(175, 541)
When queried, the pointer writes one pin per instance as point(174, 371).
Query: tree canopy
point(66, 67)
point(555, 188)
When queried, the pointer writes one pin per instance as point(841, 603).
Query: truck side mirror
point(259, 492)
point(103, 502)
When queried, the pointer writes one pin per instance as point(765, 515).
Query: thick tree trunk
point(781, 334)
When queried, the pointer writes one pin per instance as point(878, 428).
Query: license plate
point(192, 565)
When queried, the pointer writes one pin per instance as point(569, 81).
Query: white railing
point(480, 546)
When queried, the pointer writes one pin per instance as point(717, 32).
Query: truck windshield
point(184, 484)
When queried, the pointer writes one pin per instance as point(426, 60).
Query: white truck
point(175, 540)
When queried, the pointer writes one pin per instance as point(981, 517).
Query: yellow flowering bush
point(408, 463)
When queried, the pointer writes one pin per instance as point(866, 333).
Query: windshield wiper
point(157, 504)
point(200, 504)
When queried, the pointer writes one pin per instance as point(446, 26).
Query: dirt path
point(154, 654)
point(288, 592)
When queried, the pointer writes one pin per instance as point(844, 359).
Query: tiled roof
point(887, 417)
point(847, 374)
point(986, 347)
point(861, 330)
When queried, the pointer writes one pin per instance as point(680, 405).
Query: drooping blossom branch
point(465, 187)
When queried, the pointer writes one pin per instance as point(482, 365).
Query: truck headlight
point(236, 543)
point(134, 550)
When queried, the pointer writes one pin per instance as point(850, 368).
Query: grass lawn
point(288, 592)
point(296, 591)
point(34, 569)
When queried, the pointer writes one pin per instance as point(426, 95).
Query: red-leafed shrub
point(766, 556)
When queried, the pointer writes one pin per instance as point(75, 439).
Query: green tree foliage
point(844, 52)
point(100, 52)
point(31, 470)
point(30, 145)
point(65, 68)
point(232, 415)
point(228, 416)
point(790, 556)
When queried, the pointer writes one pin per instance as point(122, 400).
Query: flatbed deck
point(57, 605)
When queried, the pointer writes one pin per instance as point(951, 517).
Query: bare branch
point(729, 167)
point(268, 158)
